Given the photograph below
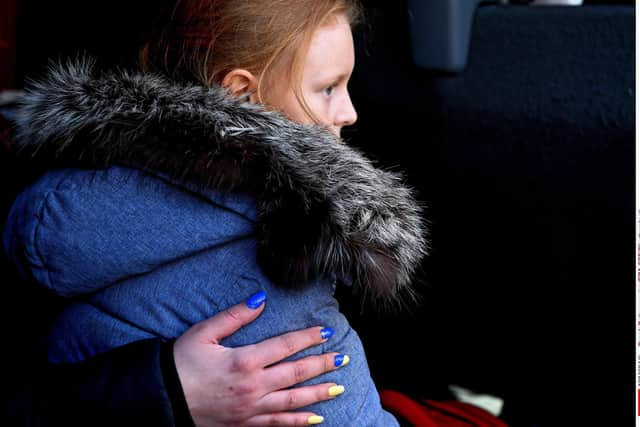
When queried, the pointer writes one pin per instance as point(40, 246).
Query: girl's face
point(325, 74)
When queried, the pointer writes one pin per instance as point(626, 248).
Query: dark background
point(35, 31)
point(525, 162)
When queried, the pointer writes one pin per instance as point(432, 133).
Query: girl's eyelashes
point(328, 90)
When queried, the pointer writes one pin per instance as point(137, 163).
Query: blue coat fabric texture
point(164, 204)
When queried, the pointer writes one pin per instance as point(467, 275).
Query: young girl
point(214, 173)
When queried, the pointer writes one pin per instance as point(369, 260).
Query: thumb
point(233, 318)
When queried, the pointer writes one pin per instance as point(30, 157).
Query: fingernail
point(315, 419)
point(326, 333)
point(256, 300)
point(336, 390)
point(340, 360)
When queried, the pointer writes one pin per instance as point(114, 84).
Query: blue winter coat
point(225, 200)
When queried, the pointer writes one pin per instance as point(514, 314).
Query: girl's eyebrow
point(335, 80)
point(341, 77)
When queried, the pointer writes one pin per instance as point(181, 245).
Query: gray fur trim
point(324, 209)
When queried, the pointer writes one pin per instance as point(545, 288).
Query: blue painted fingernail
point(256, 300)
point(340, 360)
point(326, 333)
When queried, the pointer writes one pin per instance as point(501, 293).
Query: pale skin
point(237, 386)
point(327, 68)
point(249, 386)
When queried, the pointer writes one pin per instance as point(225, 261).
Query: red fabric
point(432, 413)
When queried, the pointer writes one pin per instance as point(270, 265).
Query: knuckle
point(232, 314)
point(288, 343)
point(244, 398)
point(248, 390)
point(275, 421)
point(292, 400)
point(299, 372)
point(242, 363)
point(238, 413)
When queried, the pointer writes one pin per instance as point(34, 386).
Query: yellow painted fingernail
point(315, 419)
point(336, 390)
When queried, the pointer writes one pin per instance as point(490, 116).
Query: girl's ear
point(240, 82)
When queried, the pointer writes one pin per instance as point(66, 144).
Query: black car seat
point(525, 160)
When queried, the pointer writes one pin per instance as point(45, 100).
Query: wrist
point(182, 416)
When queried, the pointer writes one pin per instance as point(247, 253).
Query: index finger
point(275, 349)
point(231, 319)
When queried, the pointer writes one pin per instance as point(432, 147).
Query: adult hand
point(246, 386)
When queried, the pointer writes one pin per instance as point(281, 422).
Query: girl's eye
point(328, 90)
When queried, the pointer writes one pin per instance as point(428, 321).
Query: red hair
point(203, 40)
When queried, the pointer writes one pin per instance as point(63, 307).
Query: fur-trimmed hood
point(323, 208)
